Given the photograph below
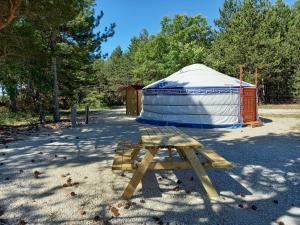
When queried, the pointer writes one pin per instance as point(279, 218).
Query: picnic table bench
point(154, 139)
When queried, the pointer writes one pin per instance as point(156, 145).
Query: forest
point(51, 57)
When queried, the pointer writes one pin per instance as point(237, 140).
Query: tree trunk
point(13, 100)
point(2, 93)
point(12, 7)
point(87, 112)
point(73, 116)
point(41, 114)
point(56, 116)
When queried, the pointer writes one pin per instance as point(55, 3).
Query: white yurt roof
point(197, 75)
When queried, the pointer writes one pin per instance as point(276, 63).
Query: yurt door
point(249, 105)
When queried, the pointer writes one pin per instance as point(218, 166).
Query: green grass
point(17, 119)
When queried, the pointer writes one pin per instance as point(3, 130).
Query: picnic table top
point(166, 136)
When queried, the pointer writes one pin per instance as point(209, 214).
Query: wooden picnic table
point(154, 139)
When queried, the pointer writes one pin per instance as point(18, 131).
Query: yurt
point(199, 96)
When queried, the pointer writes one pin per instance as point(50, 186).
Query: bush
point(111, 100)
point(92, 99)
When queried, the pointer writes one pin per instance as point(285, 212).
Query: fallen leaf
point(156, 218)
point(254, 207)
point(22, 222)
point(104, 222)
point(177, 188)
point(36, 174)
point(127, 205)
point(96, 218)
point(114, 211)
point(72, 194)
point(121, 204)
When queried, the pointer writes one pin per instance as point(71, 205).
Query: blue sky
point(131, 16)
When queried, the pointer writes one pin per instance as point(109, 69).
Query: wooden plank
point(120, 161)
point(181, 154)
point(214, 158)
point(136, 150)
point(201, 173)
point(155, 166)
point(127, 148)
point(165, 166)
point(221, 165)
point(172, 139)
point(139, 173)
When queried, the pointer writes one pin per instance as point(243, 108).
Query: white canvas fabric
point(195, 95)
point(197, 75)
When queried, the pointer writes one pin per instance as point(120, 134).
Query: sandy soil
point(262, 188)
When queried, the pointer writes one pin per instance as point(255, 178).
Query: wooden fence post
point(73, 116)
point(87, 112)
point(41, 114)
point(241, 94)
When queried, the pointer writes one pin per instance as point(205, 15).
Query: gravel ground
point(262, 188)
point(286, 111)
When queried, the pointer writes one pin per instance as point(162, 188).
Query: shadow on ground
point(266, 169)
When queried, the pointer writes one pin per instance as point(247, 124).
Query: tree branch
point(12, 7)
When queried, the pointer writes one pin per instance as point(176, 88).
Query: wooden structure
point(155, 139)
point(133, 100)
point(248, 101)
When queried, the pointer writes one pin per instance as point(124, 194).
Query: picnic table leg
point(170, 154)
point(139, 173)
point(135, 151)
point(201, 173)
